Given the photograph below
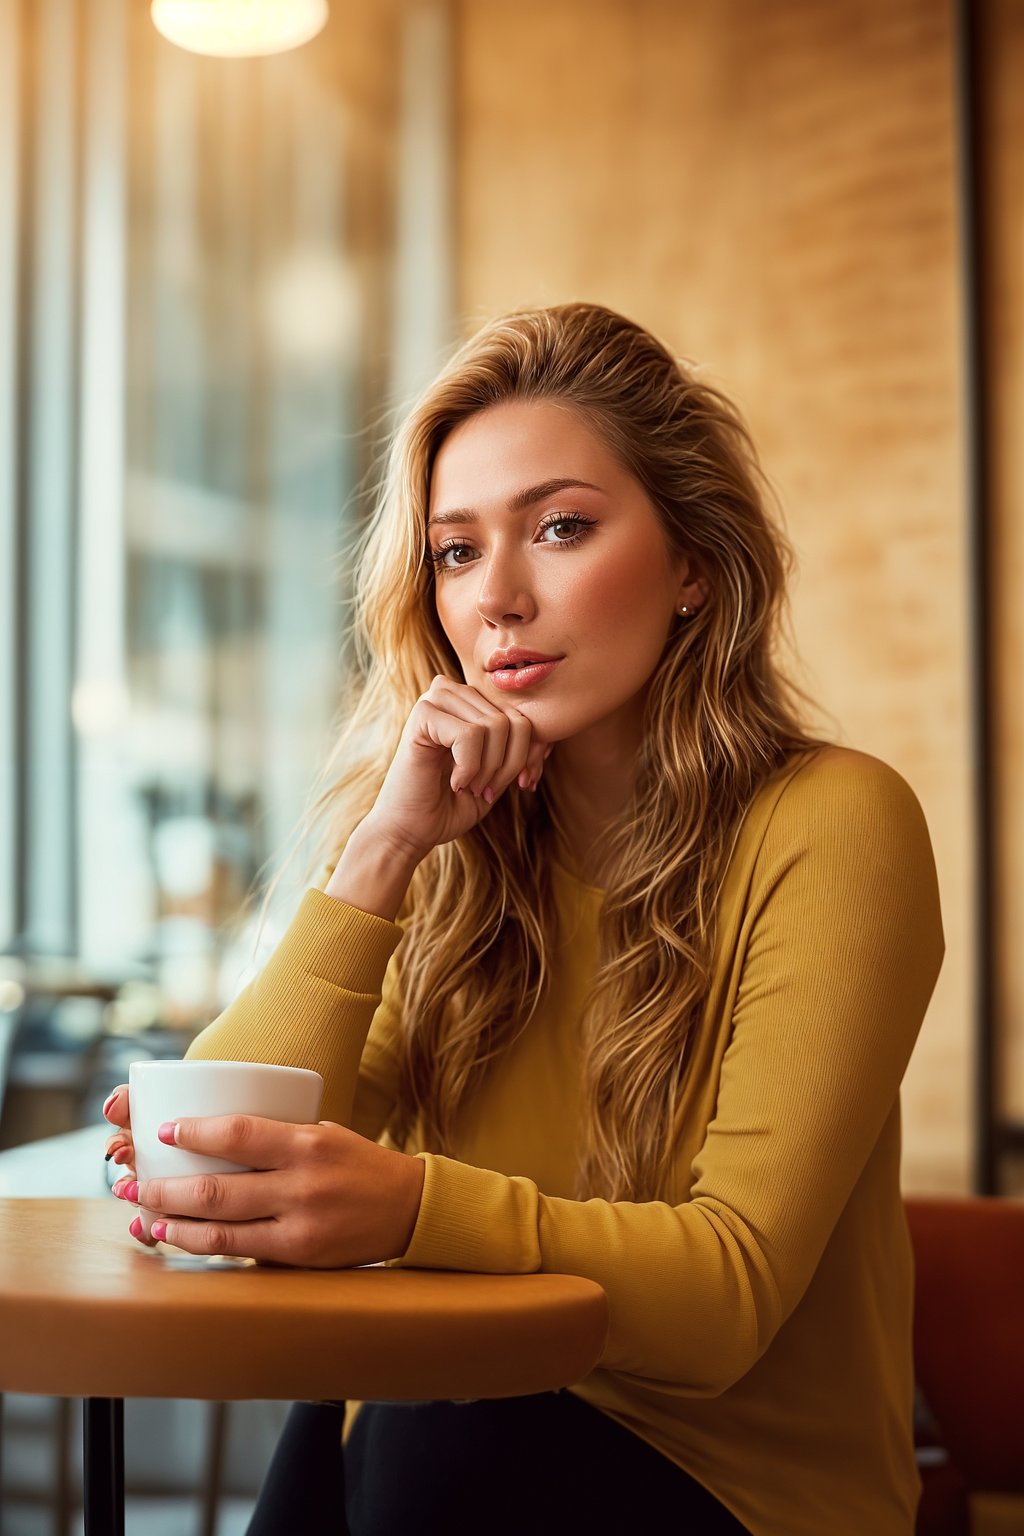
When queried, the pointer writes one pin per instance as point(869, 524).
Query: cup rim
point(250, 1066)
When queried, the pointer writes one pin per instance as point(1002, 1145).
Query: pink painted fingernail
point(166, 1132)
point(136, 1229)
point(131, 1192)
point(110, 1099)
point(548, 751)
point(489, 795)
point(159, 1230)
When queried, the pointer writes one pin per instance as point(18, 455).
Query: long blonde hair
point(480, 924)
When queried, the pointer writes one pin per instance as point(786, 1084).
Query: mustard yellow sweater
point(761, 1313)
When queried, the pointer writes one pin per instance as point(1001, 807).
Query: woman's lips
point(510, 680)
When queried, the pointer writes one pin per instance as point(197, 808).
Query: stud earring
point(684, 609)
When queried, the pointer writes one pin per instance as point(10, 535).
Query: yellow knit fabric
point(761, 1313)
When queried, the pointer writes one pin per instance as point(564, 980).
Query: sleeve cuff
point(338, 943)
point(473, 1219)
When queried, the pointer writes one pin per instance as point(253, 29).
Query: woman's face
point(542, 541)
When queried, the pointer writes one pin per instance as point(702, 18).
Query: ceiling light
point(239, 28)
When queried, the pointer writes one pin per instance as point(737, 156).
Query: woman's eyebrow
point(518, 503)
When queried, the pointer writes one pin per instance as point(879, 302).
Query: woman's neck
point(588, 785)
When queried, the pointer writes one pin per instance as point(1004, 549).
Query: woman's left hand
point(322, 1197)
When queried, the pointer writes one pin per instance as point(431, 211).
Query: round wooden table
point(86, 1311)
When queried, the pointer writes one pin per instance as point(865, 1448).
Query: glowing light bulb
point(239, 28)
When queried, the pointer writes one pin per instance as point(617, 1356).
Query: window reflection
point(240, 312)
point(207, 263)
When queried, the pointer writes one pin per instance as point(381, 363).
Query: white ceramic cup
point(159, 1091)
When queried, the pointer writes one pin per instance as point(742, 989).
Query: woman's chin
point(547, 718)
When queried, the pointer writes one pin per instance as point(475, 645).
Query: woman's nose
point(503, 595)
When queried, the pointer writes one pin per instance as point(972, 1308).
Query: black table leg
point(103, 1425)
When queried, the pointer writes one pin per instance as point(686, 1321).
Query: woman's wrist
point(373, 872)
point(415, 1170)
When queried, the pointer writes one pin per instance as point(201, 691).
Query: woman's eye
point(561, 522)
point(439, 557)
point(576, 524)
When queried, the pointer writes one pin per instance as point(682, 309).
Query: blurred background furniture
point(969, 1350)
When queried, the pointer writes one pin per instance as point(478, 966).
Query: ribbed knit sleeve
point(312, 1006)
point(844, 944)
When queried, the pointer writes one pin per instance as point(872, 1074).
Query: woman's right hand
point(457, 755)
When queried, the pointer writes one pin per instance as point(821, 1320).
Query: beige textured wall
point(771, 189)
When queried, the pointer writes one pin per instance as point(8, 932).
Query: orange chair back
point(969, 1332)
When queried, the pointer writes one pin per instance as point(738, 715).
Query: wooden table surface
point(85, 1311)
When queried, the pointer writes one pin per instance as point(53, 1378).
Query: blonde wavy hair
point(479, 920)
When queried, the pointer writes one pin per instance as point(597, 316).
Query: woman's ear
point(694, 586)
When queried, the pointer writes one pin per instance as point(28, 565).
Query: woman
point(616, 973)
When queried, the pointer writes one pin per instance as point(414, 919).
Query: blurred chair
point(969, 1350)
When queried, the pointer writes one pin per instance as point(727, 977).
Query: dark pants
point(517, 1466)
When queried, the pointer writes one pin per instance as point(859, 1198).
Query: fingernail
point(166, 1133)
point(131, 1192)
point(534, 783)
point(489, 795)
point(159, 1230)
point(548, 750)
point(122, 1155)
point(136, 1228)
point(110, 1099)
point(523, 780)
point(117, 1188)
